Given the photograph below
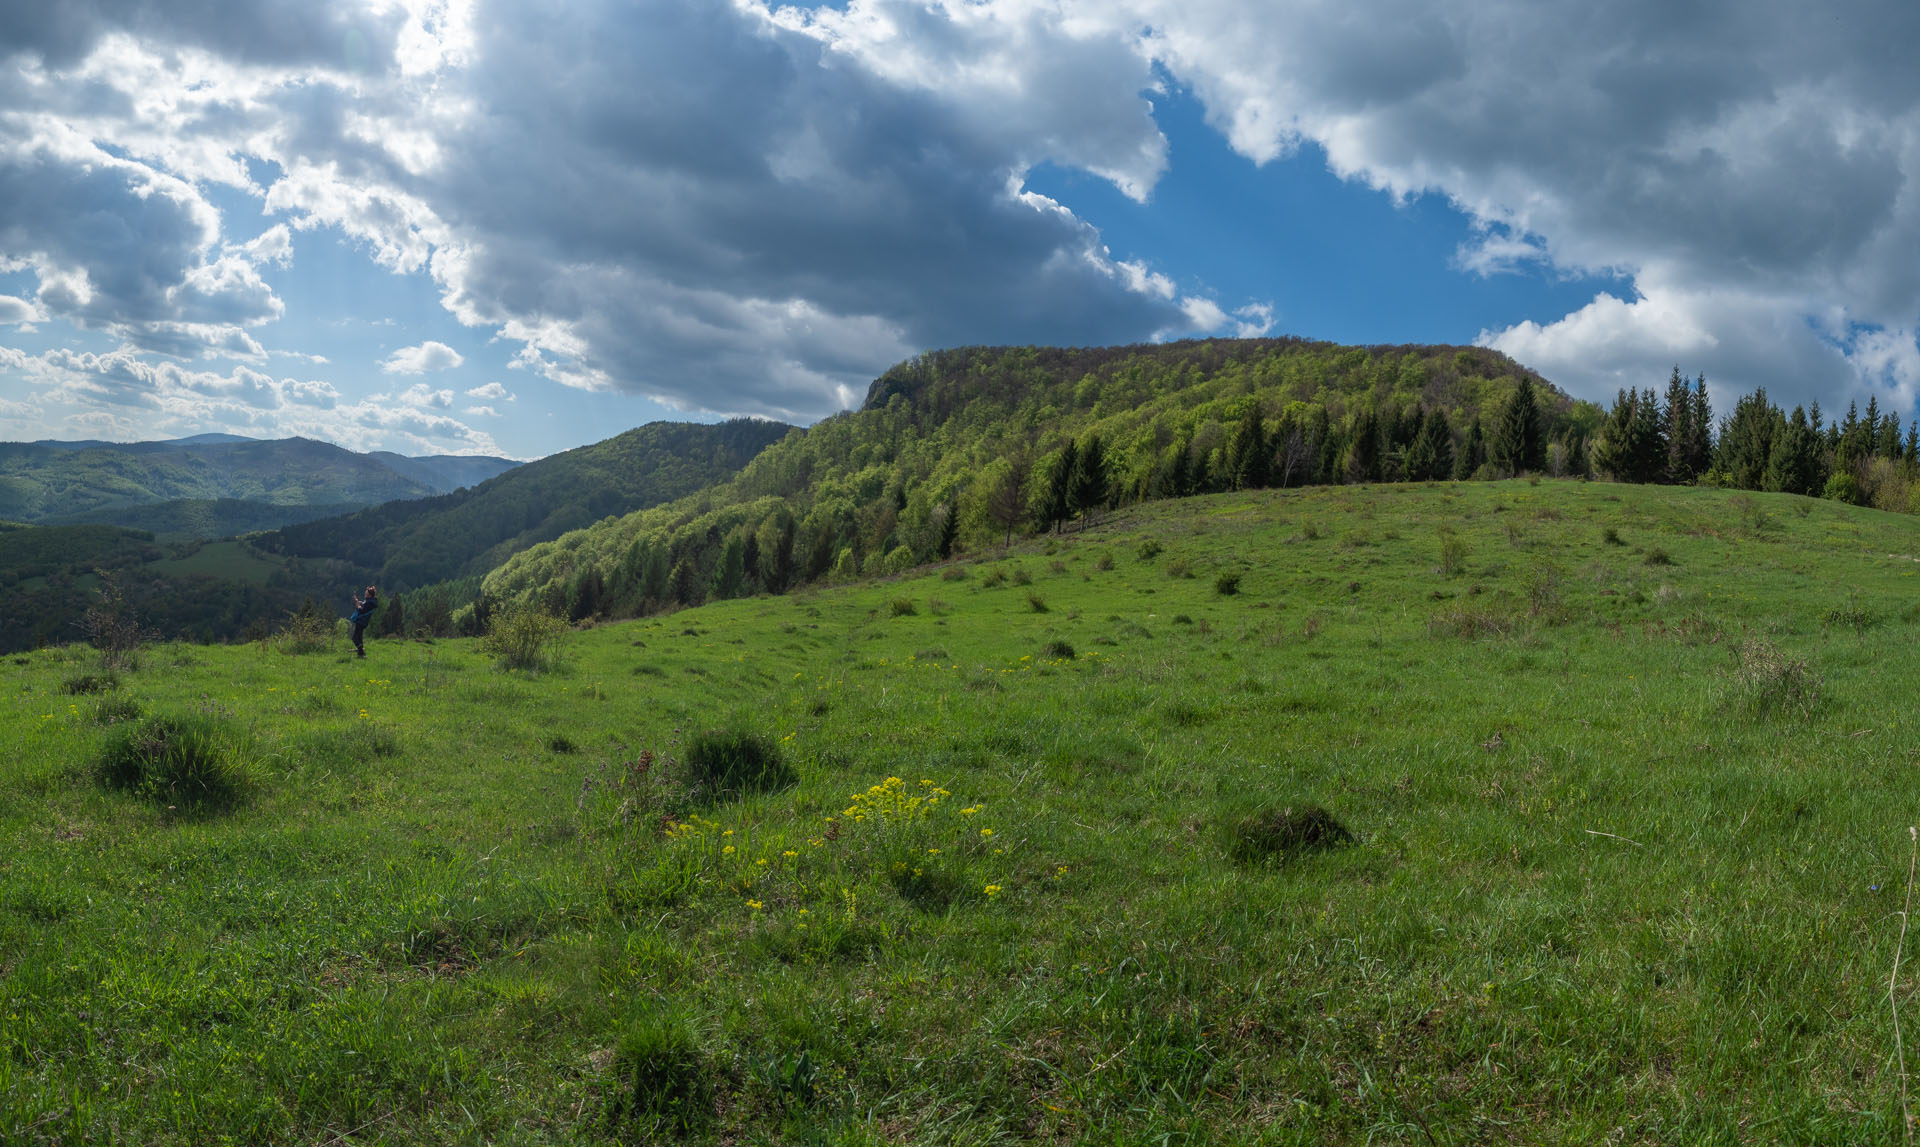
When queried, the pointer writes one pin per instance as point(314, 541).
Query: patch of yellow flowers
point(891, 801)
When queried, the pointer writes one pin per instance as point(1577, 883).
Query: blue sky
point(493, 226)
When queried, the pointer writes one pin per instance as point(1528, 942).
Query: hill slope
point(967, 436)
point(1627, 774)
point(72, 481)
point(409, 544)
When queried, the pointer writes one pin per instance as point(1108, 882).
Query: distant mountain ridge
point(117, 483)
point(407, 544)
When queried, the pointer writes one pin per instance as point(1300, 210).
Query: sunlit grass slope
point(1627, 770)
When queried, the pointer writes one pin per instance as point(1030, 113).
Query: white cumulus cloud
point(428, 356)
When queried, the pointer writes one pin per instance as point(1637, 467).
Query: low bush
point(1658, 557)
point(954, 573)
point(114, 710)
point(85, 683)
point(1057, 650)
point(1227, 584)
point(524, 637)
point(1036, 603)
point(1021, 576)
point(661, 1081)
point(188, 762)
point(1149, 550)
point(727, 763)
point(1277, 835)
point(995, 577)
point(1771, 683)
point(902, 607)
point(1612, 537)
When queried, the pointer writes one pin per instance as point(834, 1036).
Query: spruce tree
point(1472, 455)
point(1087, 487)
point(1430, 458)
point(1650, 441)
point(1699, 452)
point(1363, 452)
point(1747, 444)
point(1059, 503)
point(1249, 455)
point(1677, 418)
point(1519, 445)
point(1793, 463)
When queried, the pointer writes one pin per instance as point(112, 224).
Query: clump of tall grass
point(662, 1081)
point(1277, 835)
point(1769, 682)
point(724, 763)
point(187, 762)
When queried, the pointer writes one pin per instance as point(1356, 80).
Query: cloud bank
point(751, 208)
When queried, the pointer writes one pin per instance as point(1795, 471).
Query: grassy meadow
point(1619, 782)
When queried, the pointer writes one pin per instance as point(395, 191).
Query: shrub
point(730, 763)
point(661, 1078)
point(1771, 683)
point(1021, 576)
point(996, 577)
point(114, 710)
point(1611, 537)
point(561, 743)
point(1309, 530)
point(1179, 568)
point(1658, 557)
point(1149, 550)
point(306, 631)
point(954, 573)
point(178, 761)
point(1843, 487)
point(1227, 584)
point(112, 628)
point(86, 683)
point(524, 637)
point(1103, 563)
point(1036, 603)
point(1471, 623)
point(1275, 836)
point(1848, 616)
point(1057, 650)
point(1453, 555)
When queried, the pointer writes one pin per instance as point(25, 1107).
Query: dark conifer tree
point(393, 618)
point(1430, 458)
point(1363, 450)
point(1059, 502)
point(949, 530)
point(1677, 419)
point(1747, 443)
point(1650, 462)
point(1248, 454)
point(1699, 453)
point(1087, 486)
point(1472, 454)
point(1793, 464)
point(1007, 501)
point(1519, 444)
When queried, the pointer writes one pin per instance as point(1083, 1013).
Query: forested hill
point(402, 545)
point(955, 448)
point(111, 482)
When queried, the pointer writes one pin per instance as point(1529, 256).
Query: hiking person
point(363, 608)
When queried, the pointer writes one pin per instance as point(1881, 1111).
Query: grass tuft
point(188, 762)
point(661, 1081)
point(1277, 835)
point(728, 763)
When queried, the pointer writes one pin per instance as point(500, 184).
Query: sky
point(511, 227)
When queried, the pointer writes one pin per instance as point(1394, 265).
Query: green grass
point(1629, 844)
point(222, 559)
